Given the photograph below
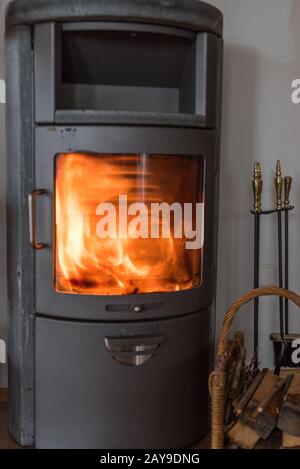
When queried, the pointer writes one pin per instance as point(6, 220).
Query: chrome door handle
point(32, 218)
point(133, 351)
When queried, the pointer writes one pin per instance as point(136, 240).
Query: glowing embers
point(88, 264)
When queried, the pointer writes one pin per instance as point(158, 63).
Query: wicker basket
point(217, 379)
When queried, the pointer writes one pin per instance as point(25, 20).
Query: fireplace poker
point(287, 190)
point(278, 188)
point(257, 190)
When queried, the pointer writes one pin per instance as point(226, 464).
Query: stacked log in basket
point(248, 404)
point(272, 403)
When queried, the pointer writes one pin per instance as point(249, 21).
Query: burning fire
point(86, 264)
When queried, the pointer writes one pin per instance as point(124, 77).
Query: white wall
point(262, 57)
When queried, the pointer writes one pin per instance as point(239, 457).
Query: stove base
point(88, 396)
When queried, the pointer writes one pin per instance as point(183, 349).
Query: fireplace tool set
point(282, 341)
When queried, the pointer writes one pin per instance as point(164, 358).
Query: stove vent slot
point(134, 308)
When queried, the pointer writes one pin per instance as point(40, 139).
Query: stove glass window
point(128, 224)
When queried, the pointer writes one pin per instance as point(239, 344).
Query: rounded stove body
point(115, 355)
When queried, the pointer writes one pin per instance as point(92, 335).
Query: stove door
point(103, 195)
point(90, 393)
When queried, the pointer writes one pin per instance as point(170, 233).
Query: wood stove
point(110, 102)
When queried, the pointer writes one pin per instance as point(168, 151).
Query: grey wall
point(262, 57)
point(3, 300)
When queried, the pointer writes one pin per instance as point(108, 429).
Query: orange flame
point(86, 264)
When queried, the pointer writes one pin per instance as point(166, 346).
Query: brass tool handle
point(257, 188)
point(278, 186)
point(287, 190)
point(32, 218)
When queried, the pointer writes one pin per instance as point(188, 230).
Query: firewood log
point(240, 404)
point(290, 441)
point(261, 414)
point(289, 417)
point(235, 371)
point(243, 436)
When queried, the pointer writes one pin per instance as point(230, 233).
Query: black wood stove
point(114, 103)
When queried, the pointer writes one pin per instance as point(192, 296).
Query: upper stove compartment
point(124, 62)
